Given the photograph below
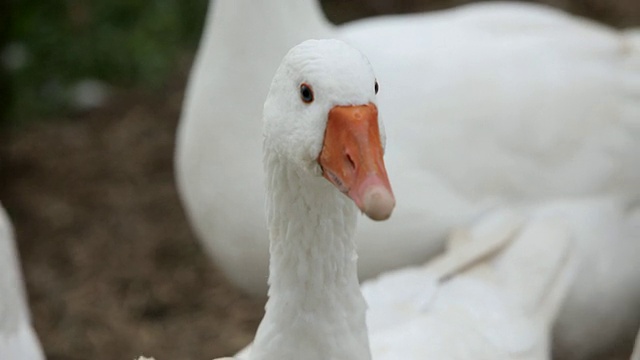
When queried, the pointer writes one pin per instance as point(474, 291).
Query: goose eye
point(306, 93)
point(376, 86)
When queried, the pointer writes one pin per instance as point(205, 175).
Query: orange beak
point(351, 159)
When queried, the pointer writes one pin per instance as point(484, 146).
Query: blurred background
point(90, 96)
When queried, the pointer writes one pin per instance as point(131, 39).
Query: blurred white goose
point(510, 300)
point(602, 307)
point(17, 338)
point(490, 103)
point(496, 292)
point(636, 349)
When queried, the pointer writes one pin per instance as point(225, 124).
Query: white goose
point(636, 349)
point(322, 142)
point(494, 295)
point(17, 338)
point(492, 103)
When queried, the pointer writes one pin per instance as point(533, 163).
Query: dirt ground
point(112, 268)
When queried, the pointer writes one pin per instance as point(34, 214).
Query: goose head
point(321, 117)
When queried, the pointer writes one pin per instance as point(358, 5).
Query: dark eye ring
point(306, 93)
point(376, 86)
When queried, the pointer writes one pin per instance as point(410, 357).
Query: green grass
point(122, 42)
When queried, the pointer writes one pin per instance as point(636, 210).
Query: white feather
point(17, 338)
point(494, 294)
point(636, 349)
point(485, 105)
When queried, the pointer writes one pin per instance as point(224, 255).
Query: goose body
point(494, 103)
point(495, 294)
point(17, 337)
point(529, 290)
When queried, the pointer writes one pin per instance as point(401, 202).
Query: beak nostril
point(350, 162)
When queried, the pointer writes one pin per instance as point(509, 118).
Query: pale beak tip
point(378, 203)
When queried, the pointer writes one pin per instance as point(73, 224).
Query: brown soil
point(111, 266)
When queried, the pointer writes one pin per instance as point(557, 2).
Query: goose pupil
point(376, 87)
point(306, 93)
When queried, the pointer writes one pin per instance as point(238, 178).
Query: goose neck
point(315, 308)
point(255, 22)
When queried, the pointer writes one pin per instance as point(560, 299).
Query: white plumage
point(496, 292)
point(537, 282)
point(636, 349)
point(17, 338)
point(486, 104)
